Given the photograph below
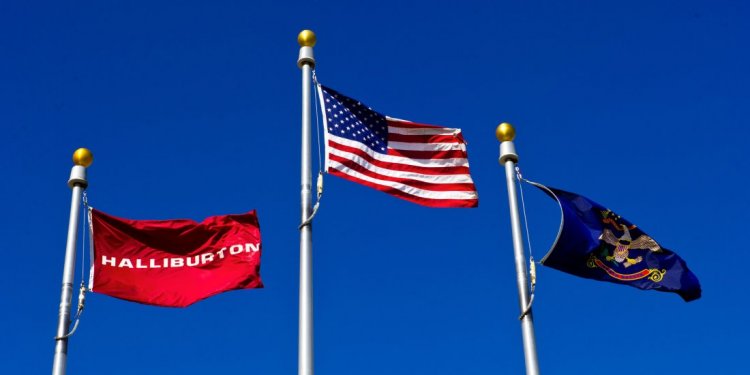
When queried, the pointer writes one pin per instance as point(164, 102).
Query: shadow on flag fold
point(174, 263)
point(595, 243)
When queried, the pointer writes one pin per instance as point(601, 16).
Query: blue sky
point(192, 109)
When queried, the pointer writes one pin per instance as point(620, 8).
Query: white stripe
point(409, 146)
point(423, 131)
point(429, 163)
point(429, 129)
point(434, 179)
point(463, 195)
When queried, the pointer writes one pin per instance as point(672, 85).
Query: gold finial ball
point(83, 157)
point(505, 132)
point(306, 38)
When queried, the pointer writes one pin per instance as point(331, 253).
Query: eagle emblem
point(624, 243)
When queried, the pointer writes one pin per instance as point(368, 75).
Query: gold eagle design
point(625, 243)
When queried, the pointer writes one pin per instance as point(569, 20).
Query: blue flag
point(595, 243)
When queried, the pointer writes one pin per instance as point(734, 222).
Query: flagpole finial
point(306, 38)
point(83, 157)
point(505, 132)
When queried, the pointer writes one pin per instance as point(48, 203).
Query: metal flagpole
point(82, 158)
point(306, 62)
point(508, 157)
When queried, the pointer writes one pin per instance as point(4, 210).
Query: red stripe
point(403, 167)
point(406, 181)
point(410, 124)
point(413, 125)
point(414, 154)
point(411, 138)
point(443, 203)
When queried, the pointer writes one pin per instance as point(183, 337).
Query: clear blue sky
point(192, 109)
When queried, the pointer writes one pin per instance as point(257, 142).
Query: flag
point(174, 263)
point(595, 243)
point(424, 164)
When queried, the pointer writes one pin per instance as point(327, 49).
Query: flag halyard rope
point(82, 289)
point(317, 121)
point(321, 167)
point(85, 200)
point(532, 264)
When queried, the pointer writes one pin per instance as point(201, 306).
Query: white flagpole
point(82, 158)
point(306, 62)
point(508, 157)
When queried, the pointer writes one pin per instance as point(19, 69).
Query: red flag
point(174, 263)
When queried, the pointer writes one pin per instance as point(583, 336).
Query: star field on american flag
point(349, 118)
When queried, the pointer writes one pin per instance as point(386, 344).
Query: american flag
point(424, 164)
